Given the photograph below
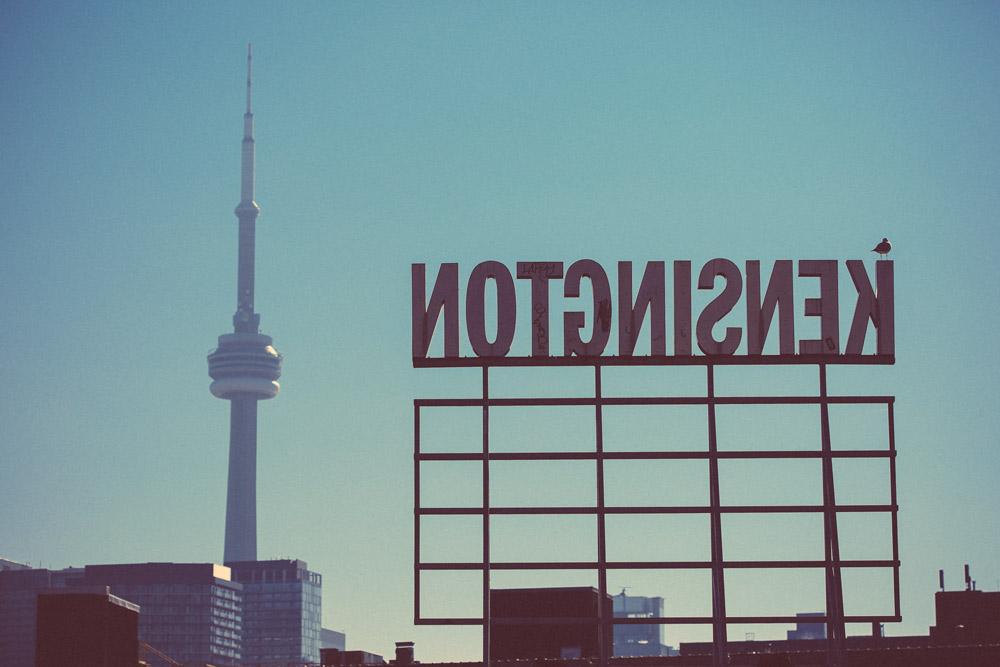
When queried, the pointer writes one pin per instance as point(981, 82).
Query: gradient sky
point(396, 133)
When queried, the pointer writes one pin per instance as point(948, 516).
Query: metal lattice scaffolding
point(831, 563)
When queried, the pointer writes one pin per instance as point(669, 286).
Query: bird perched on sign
point(883, 248)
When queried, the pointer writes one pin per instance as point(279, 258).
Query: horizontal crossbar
point(661, 565)
point(629, 456)
point(649, 400)
point(660, 620)
point(652, 509)
point(661, 360)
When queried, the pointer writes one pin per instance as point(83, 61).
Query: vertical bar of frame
point(720, 652)
point(835, 656)
point(416, 512)
point(892, 501)
point(486, 517)
point(603, 623)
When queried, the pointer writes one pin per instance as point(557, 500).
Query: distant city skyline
point(395, 134)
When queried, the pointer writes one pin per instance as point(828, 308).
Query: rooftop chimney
point(404, 653)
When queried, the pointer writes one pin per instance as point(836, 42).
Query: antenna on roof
point(941, 579)
point(968, 578)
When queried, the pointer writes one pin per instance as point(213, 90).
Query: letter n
point(651, 297)
point(425, 314)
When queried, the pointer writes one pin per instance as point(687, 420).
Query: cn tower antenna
point(249, 74)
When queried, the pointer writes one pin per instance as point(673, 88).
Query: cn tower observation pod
point(245, 365)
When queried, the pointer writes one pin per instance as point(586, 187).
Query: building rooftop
point(164, 573)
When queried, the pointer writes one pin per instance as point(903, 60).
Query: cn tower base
point(241, 498)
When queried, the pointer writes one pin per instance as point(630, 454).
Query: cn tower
point(244, 368)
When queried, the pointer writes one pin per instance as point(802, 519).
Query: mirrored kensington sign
point(745, 318)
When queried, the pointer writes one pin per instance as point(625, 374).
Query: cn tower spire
point(247, 165)
point(245, 367)
point(249, 75)
point(246, 320)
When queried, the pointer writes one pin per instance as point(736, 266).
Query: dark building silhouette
point(19, 589)
point(966, 617)
point(86, 629)
point(340, 657)
point(333, 657)
point(404, 654)
point(12, 565)
point(546, 623)
point(967, 634)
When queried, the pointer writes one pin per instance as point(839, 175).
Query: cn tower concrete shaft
point(244, 367)
point(241, 497)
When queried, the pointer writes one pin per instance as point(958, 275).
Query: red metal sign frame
point(832, 563)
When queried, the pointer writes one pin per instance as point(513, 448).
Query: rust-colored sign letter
point(425, 315)
point(877, 308)
point(682, 308)
point(779, 296)
point(719, 307)
point(539, 273)
point(650, 297)
point(475, 309)
point(826, 307)
point(573, 321)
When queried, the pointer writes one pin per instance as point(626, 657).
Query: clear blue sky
point(395, 133)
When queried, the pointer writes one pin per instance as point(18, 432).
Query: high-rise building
point(282, 612)
point(638, 639)
point(807, 627)
point(244, 367)
point(190, 611)
point(332, 639)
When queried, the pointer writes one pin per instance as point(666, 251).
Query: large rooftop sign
point(586, 329)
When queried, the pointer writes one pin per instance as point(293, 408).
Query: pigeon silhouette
point(883, 248)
